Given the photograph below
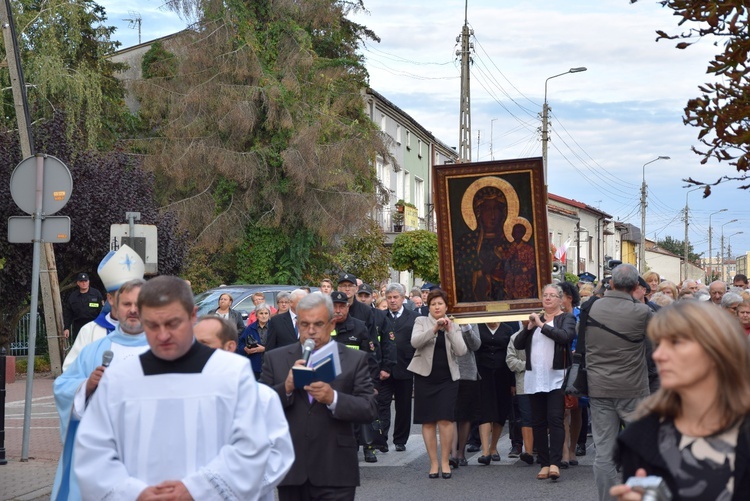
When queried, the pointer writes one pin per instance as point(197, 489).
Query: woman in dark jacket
point(225, 311)
point(252, 341)
point(694, 432)
point(546, 340)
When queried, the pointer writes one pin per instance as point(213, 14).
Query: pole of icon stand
point(2, 407)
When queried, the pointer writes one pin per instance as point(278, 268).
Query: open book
point(324, 365)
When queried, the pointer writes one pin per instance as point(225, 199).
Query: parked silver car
point(243, 297)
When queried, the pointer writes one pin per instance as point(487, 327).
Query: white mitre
point(120, 266)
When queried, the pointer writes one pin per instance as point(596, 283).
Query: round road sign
point(56, 188)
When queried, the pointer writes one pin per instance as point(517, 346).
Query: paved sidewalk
point(31, 480)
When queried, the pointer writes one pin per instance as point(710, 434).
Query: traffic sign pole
point(34, 304)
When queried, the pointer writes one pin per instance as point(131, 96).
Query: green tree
point(677, 247)
point(720, 112)
point(365, 254)
point(257, 134)
point(62, 45)
point(417, 251)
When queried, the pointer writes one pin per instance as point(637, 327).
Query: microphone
point(307, 349)
point(107, 357)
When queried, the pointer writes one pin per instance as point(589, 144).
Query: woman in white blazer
point(438, 341)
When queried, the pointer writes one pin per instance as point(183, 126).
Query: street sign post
point(40, 185)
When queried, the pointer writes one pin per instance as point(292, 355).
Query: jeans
point(547, 412)
point(607, 417)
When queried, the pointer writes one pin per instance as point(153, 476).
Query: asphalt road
point(402, 476)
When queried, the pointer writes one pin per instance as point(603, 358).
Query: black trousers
point(402, 390)
point(309, 492)
point(514, 424)
point(547, 412)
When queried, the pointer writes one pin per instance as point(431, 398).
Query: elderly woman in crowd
point(652, 279)
point(668, 288)
point(730, 301)
point(225, 311)
point(495, 383)
point(661, 299)
point(438, 341)
point(253, 339)
point(283, 301)
point(743, 313)
point(546, 340)
point(694, 432)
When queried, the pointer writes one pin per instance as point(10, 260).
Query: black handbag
point(576, 383)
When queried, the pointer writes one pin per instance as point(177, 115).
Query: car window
point(207, 302)
point(245, 305)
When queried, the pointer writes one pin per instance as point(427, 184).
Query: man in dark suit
point(282, 329)
point(321, 415)
point(396, 329)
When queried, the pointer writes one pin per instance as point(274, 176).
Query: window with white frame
point(400, 185)
point(420, 148)
point(419, 196)
point(382, 122)
point(398, 134)
point(408, 140)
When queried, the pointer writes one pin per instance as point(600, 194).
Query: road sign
point(56, 188)
point(55, 229)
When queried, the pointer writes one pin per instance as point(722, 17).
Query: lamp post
point(710, 240)
point(729, 250)
point(545, 114)
point(722, 246)
point(687, 223)
point(642, 250)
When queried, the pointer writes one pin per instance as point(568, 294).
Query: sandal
point(544, 473)
point(554, 472)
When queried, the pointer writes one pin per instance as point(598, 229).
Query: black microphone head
point(107, 357)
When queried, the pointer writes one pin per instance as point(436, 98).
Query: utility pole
point(492, 152)
point(479, 139)
point(464, 137)
point(48, 271)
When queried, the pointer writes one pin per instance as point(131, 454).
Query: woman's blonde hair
point(668, 285)
point(725, 344)
point(651, 274)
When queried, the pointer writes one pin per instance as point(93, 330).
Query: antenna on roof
point(135, 20)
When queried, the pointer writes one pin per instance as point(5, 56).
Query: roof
point(579, 205)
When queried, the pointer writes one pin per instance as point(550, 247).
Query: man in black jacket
point(398, 382)
point(82, 306)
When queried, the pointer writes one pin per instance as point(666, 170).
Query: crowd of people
point(674, 377)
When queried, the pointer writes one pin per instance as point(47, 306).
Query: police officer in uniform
point(82, 306)
point(354, 334)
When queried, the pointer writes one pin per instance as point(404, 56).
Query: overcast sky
point(607, 122)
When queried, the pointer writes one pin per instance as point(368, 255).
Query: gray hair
point(661, 299)
point(686, 283)
point(312, 301)
point(625, 277)
point(283, 295)
point(262, 306)
point(730, 299)
point(394, 287)
point(297, 293)
point(557, 288)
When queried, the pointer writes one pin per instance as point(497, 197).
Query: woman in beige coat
point(438, 342)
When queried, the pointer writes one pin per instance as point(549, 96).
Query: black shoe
point(383, 448)
point(463, 462)
point(370, 456)
point(473, 448)
point(527, 458)
point(453, 462)
point(485, 460)
point(400, 447)
point(564, 465)
point(580, 450)
point(495, 457)
point(515, 451)
point(434, 475)
point(447, 475)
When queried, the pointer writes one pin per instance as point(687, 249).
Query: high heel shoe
point(453, 462)
point(554, 472)
point(434, 475)
point(485, 460)
point(447, 475)
point(543, 473)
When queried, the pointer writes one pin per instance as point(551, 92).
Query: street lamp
point(687, 209)
point(710, 240)
point(722, 247)
point(642, 250)
point(729, 246)
point(545, 113)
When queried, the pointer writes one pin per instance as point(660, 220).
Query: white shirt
point(542, 378)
